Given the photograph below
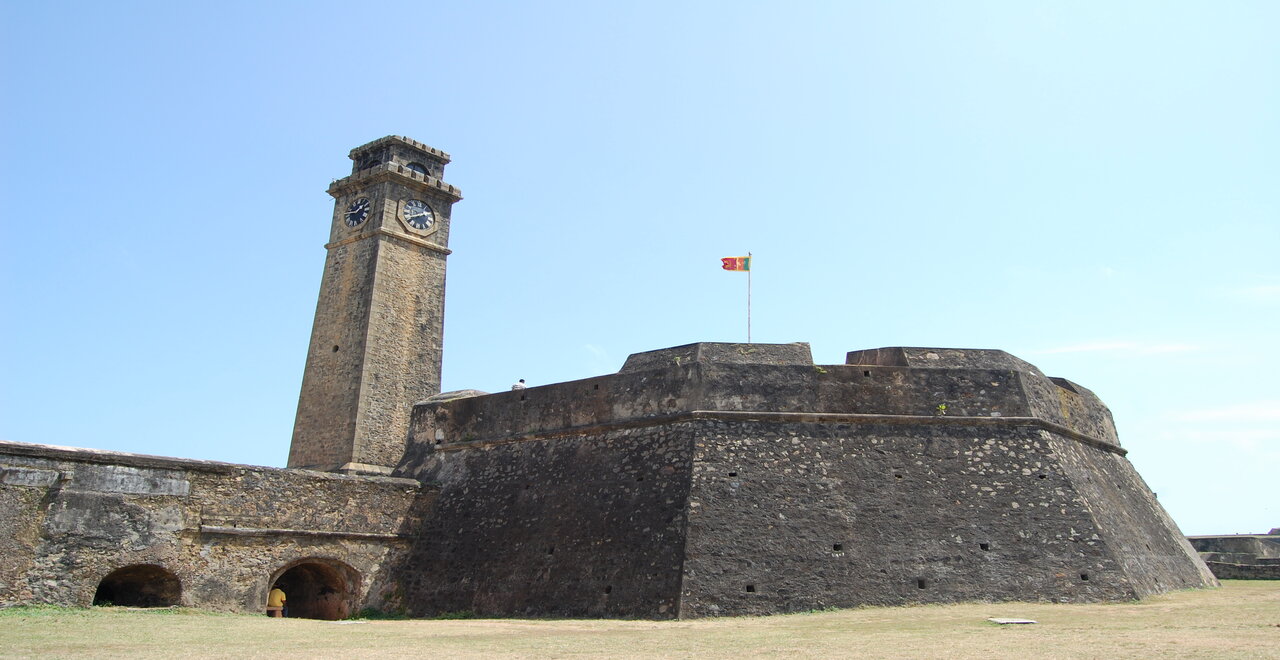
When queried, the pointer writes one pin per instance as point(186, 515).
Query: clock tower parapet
point(396, 188)
point(385, 171)
point(400, 150)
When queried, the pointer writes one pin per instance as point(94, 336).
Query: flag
point(736, 263)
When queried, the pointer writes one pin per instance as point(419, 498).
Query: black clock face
point(357, 212)
point(418, 214)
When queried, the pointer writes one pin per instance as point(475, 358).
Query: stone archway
point(318, 588)
point(139, 585)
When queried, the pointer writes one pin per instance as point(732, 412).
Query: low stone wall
point(1240, 556)
point(1255, 545)
point(217, 534)
point(1224, 571)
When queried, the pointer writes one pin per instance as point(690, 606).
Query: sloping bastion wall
point(722, 479)
point(84, 526)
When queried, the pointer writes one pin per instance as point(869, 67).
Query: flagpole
point(748, 297)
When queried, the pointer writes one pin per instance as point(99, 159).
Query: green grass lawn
point(1240, 620)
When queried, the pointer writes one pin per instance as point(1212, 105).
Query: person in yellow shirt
point(275, 602)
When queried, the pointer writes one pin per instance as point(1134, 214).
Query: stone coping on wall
point(787, 417)
point(795, 353)
point(164, 462)
point(224, 530)
point(1265, 537)
point(919, 357)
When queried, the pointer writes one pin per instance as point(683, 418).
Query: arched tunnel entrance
point(318, 589)
point(139, 585)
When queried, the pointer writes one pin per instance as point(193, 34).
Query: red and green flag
point(736, 263)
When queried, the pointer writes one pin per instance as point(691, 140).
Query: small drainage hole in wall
point(1041, 476)
point(984, 546)
point(608, 589)
point(837, 547)
point(1084, 577)
point(867, 374)
point(596, 387)
point(551, 550)
point(335, 348)
point(897, 476)
point(733, 474)
point(639, 478)
point(751, 588)
point(921, 583)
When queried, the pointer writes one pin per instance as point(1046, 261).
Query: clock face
point(418, 214)
point(357, 212)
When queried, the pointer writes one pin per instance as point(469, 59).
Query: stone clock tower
point(379, 326)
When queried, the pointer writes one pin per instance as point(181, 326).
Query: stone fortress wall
point(716, 479)
point(706, 479)
point(1241, 556)
point(128, 529)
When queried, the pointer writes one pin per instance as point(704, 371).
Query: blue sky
point(1091, 186)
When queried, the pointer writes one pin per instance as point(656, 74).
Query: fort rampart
point(1241, 556)
point(716, 479)
point(86, 525)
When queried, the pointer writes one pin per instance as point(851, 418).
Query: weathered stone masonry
point(706, 479)
point(379, 325)
point(1241, 556)
point(223, 531)
point(717, 479)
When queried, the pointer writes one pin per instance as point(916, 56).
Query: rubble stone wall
point(578, 524)
point(1225, 571)
point(224, 531)
point(704, 487)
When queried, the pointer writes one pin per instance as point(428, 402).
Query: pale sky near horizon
point(1091, 186)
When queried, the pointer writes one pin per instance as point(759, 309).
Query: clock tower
point(379, 327)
